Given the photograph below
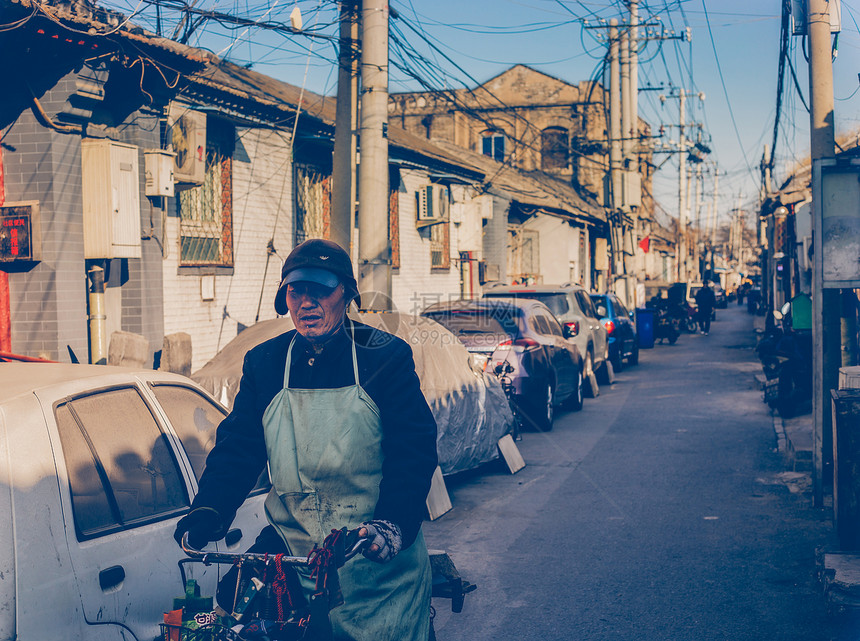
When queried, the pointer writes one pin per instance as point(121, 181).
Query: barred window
point(206, 211)
point(440, 246)
point(313, 203)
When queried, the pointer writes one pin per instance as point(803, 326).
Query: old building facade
point(528, 119)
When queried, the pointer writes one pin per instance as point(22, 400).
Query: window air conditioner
point(188, 138)
point(432, 205)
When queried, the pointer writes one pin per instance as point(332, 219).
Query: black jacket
point(706, 299)
point(387, 374)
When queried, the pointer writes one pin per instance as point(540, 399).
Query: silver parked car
point(98, 464)
point(572, 306)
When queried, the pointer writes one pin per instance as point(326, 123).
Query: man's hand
point(203, 524)
point(385, 540)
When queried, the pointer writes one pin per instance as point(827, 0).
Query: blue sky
point(731, 59)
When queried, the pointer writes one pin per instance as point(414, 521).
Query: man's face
point(317, 311)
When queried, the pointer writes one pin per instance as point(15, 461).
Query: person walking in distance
point(705, 301)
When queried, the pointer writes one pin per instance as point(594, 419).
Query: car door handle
point(111, 577)
point(233, 537)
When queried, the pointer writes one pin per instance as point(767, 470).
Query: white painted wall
point(559, 248)
point(415, 285)
point(262, 210)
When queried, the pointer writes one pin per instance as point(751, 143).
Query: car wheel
point(544, 410)
point(633, 359)
point(588, 368)
point(574, 401)
point(617, 361)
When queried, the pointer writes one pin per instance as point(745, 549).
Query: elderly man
point(335, 409)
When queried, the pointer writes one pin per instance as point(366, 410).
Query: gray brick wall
point(49, 302)
point(142, 295)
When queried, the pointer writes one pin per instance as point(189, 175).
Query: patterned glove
point(385, 540)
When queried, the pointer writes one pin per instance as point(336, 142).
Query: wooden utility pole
point(681, 249)
point(615, 146)
point(697, 208)
point(825, 327)
point(343, 160)
point(374, 245)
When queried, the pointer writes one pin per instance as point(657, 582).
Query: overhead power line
point(725, 90)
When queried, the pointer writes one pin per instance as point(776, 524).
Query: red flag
point(645, 244)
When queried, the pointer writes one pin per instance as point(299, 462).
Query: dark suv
point(545, 368)
point(618, 322)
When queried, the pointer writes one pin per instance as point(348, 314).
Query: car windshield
point(556, 301)
point(477, 321)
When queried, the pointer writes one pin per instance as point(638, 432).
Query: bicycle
point(268, 601)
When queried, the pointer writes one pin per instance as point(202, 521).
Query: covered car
point(469, 405)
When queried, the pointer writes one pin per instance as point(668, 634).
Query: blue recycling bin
point(645, 327)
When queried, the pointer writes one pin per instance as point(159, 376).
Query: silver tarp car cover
point(469, 405)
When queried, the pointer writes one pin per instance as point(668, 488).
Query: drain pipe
point(98, 340)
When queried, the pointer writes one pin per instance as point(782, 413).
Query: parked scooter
point(689, 322)
point(667, 319)
point(786, 358)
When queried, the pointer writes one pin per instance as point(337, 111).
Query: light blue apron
point(325, 460)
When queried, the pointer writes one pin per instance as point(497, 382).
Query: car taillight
point(610, 327)
point(526, 343)
point(572, 327)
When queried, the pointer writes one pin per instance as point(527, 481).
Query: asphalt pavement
point(663, 510)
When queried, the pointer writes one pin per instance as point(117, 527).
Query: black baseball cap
point(318, 261)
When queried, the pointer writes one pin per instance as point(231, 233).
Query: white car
point(97, 464)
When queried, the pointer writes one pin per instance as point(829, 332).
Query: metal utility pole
point(346, 119)
point(374, 245)
point(825, 302)
point(682, 194)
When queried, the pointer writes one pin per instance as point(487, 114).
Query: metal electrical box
point(837, 225)
point(111, 199)
point(158, 172)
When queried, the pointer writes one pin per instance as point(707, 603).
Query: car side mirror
point(569, 330)
point(630, 314)
point(601, 311)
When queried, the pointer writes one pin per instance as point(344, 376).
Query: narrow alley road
point(658, 512)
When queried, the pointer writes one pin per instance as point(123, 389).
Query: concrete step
point(840, 578)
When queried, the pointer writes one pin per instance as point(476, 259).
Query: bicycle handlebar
point(207, 558)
